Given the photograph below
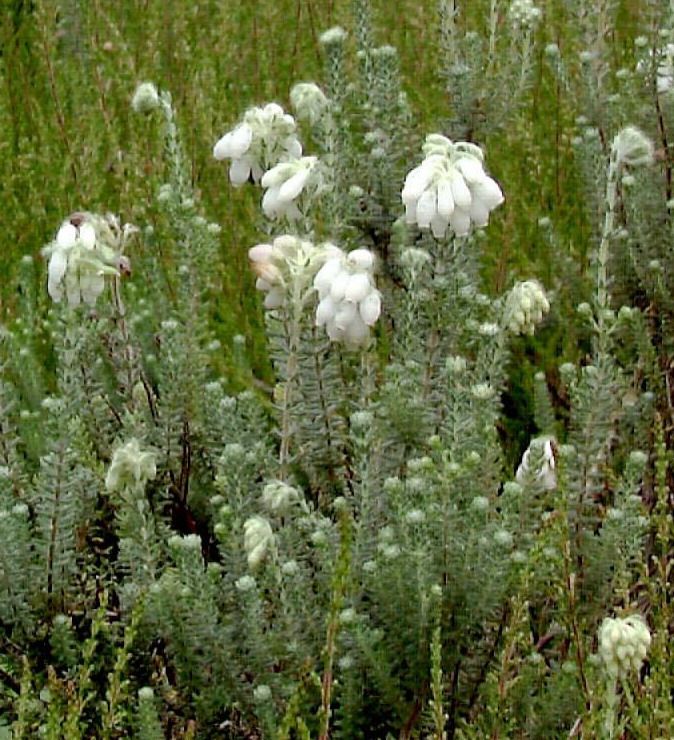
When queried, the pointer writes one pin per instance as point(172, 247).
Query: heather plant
point(356, 547)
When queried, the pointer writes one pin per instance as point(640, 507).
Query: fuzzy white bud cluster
point(130, 467)
point(349, 303)
point(450, 188)
point(633, 148)
point(146, 98)
point(258, 540)
point(285, 183)
point(538, 464)
point(623, 644)
point(288, 259)
point(525, 307)
point(280, 498)
point(523, 15)
point(333, 36)
point(87, 247)
point(265, 137)
point(308, 102)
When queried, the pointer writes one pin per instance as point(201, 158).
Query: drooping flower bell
point(285, 183)
point(285, 263)
point(349, 302)
point(265, 137)
point(87, 247)
point(450, 188)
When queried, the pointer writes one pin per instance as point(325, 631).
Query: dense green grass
point(69, 141)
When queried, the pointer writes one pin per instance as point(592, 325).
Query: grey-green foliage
point(388, 557)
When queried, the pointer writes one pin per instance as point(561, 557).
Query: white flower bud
point(538, 465)
point(308, 101)
point(632, 147)
point(623, 644)
point(333, 36)
point(523, 15)
point(525, 307)
point(279, 498)
point(130, 467)
point(258, 540)
point(146, 98)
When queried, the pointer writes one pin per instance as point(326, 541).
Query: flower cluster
point(349, 303)
point(86, 249)
point(632, 147)
point(280, 498)
point(285, 183)
point(288, 260)
point(450, 188)
point(146, 98)
point(265, 137)
point(538, 464)
point(525, 307)
point(623, 644)
point(258, 540)
point(523, 15)
point(308, 102)
point(131, 467)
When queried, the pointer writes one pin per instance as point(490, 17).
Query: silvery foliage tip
point(450, 188)
point(130, 467)
point(349, 302)
point(285, 183)
point(523, 15)
point(308, 101)
point(265, 137)
point(664, 78)
point(87, 247)
point(287, 261)
point(525, 307)
point(258, 540)
point(538, 464)
point(623, 644)
point(633, 148)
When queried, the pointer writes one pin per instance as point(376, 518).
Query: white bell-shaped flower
point(265, 137)
point(285, 183)
point(450, 188)
point(86, 249)
point(349, 303)
point(287, 260)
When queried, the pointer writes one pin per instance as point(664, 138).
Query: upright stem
point(604, 253)
point(290, 377)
